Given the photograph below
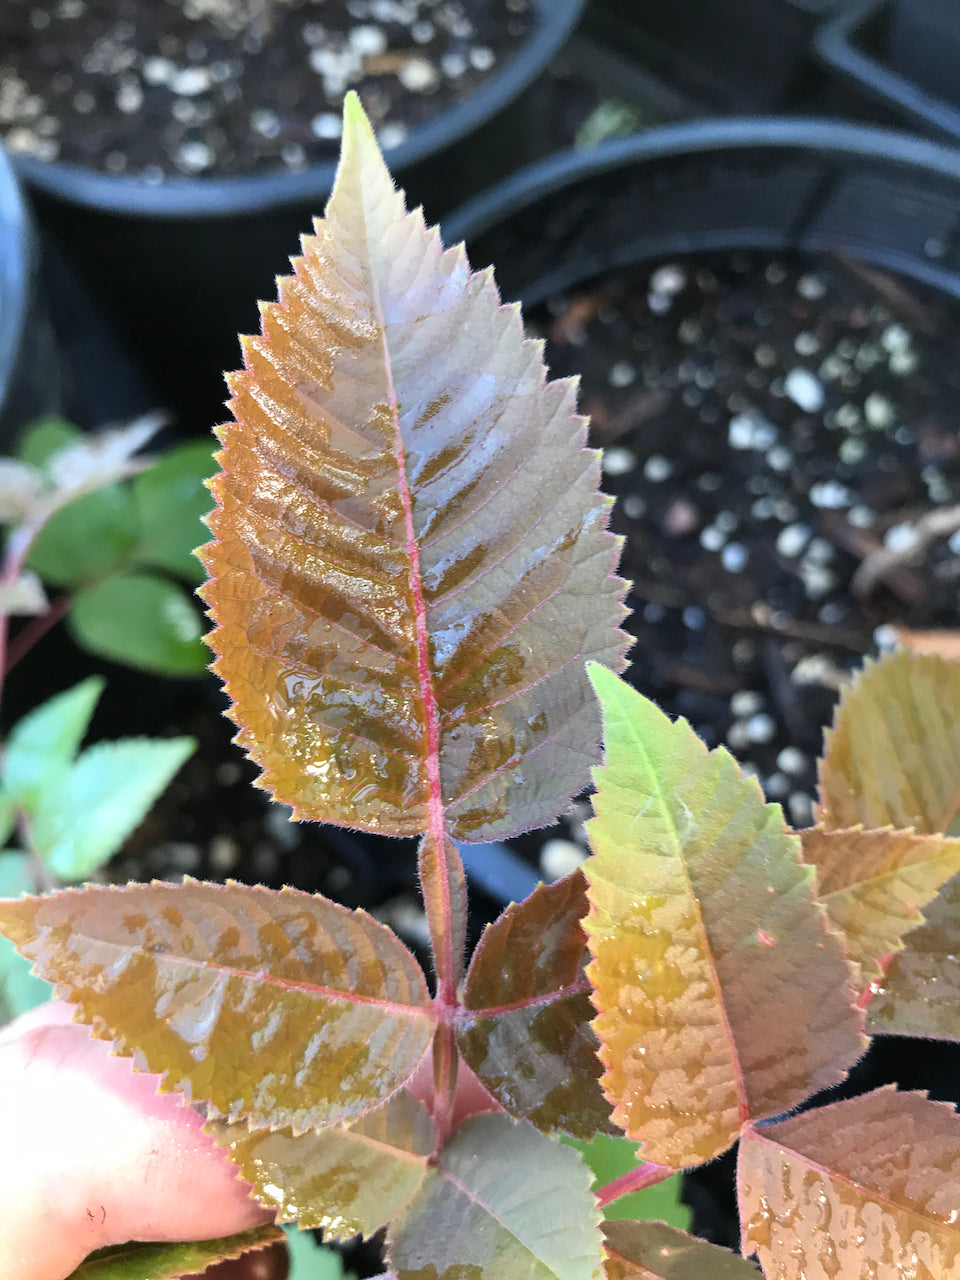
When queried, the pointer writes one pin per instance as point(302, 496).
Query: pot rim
point(17, 271)
point(219, 197)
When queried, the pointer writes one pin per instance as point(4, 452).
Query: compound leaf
point(171, 498)
point(893, 755)
point(504, 1203)
point(721, 996)
point(656, 1251)
point(142, 620)
point(45, 437)
point(278, 1007)
point(873, 883)
point(526, 1026)
point(864, 1187)
point(136, 1261)
point(403, 606)
point(347, 1179)
point(42, 745)
point(84, 816)
point(920, 992)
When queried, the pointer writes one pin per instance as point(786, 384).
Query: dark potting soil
point(154, 88)
point(782, 438)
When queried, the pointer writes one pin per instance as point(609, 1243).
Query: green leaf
point(143, 621)
point(20, 990)
point(280, 1008)
point(43, 744)
point(86, 539)
point(309, 1260)
point(657, 1251)
point(136, 1261)
point(525, 1028)
point(505, 1202)
point(705, 930)
point(608, 1158)
point(348, 1179)
point(8, 817)
point(83, 818)
point(44, 438)
point(170, 499)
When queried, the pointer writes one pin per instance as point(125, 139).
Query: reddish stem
point(35, 630)
point(644, 1175)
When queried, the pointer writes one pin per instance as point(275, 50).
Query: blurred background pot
point(899, 59)
point(29, 363)
point(178, 266)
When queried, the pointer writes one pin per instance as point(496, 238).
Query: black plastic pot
point(179, 267)
point(747, 56)
point(29, 366)
point(900, 58)
point(750, 183)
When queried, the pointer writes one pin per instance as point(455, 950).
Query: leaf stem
point(644, 1175)
point(36, 629)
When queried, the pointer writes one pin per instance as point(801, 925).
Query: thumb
point(94, 1156)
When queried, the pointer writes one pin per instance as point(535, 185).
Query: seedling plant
point(417, 620)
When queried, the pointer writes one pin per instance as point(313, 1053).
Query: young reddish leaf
point(136, 1261)
point(411, 559)
point(868, 1187)
point(721, 995)
point(655, 1251)
point(347, 1179)
point(526, 1031)
point(945, 644)
point(504, 1203)
point(445, 900)
point(283, 1008)
point(872, 884)
point(893, 755)
point(920, 993)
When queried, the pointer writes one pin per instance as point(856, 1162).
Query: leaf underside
point(873, 883)
point(282, 1008)
point(865, 1188)
point(504, 1203)
point(702, 917)
point(893, 755)
point(348, 1179)
point(411, 559)
point(656, 1251)
point(920, 992)
point(534, 1050)
point(136, 1261)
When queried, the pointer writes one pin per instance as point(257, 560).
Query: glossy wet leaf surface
point(142, 620)
point(412, 559)
point(526, 1026)
point(504, 1203)
point(920, 992)
point(864, 1189)
point(720, 993)
point(656, 1251)
point(136, 1261)
point(873, 884)
point(347, 1179)
point(281, 1007)
point(893, 755)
